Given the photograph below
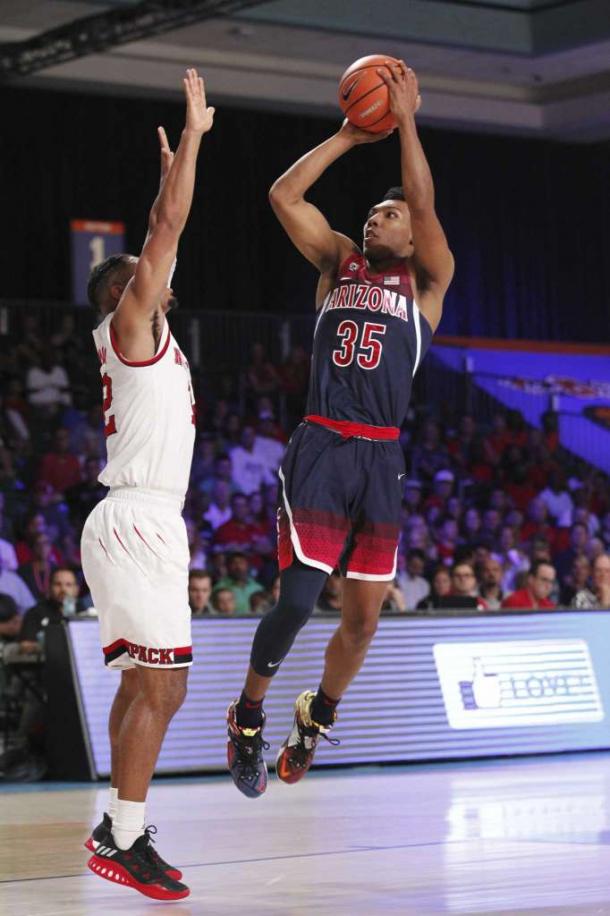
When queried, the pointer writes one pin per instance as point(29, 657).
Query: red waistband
point(349, 430)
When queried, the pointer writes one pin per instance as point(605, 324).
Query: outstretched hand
point(199, 118)
point(357, 135)
point(401, 81)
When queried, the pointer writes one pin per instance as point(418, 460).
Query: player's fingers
point(163, 138)
point(385, 75)
point(202, 90)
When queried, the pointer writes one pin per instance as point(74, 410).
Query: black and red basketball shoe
point(101, 833)
point(135, 867)
point(245, 755)
point(297, 752)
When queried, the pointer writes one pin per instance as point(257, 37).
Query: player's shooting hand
point(401, 81)
point(167, 154)
point(199, 118)
point(356, 135)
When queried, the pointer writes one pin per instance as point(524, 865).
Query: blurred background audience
point(495, 515)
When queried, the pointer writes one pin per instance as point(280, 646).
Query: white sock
point(113, 797)
point(128, 823)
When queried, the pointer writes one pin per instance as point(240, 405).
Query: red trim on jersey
point(137, 652)
point(114, 645)
point(373, 551)
point(285, 551)
point(322, 539)
point(146, 362)
point(347, 429)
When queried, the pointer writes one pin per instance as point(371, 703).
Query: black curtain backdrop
point(528, 220)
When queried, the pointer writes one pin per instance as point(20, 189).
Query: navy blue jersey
point(369, 340)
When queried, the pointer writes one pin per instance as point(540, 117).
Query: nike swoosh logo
point(274, 664)
point(347, 92)
point(400, 476)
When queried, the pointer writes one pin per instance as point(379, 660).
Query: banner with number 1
point(92, 242)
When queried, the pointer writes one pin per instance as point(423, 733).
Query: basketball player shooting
point(134, 547)
point(341, 475)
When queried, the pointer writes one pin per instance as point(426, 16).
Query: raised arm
point(306, 226)
point(169, 214)
point(167, 157)
point(432, 259)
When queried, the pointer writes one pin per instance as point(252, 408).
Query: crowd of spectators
point(494, 515)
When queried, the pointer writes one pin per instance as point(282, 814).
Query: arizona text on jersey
point(370, 338)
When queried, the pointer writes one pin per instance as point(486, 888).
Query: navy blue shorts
point(341, 503)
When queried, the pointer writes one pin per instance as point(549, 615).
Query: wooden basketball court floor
point(525, 836)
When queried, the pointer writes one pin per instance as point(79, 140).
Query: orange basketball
point(363, 95)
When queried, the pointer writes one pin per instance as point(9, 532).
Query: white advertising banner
point(527, 682)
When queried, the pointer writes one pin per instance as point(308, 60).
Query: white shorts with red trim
point(135, 558)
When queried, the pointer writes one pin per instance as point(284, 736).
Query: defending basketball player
point(341, 475)
point(134, 546)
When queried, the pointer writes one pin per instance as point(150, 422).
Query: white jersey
point(149, 415)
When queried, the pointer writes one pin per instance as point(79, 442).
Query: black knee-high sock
point(249, 713)
point(323, 708)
